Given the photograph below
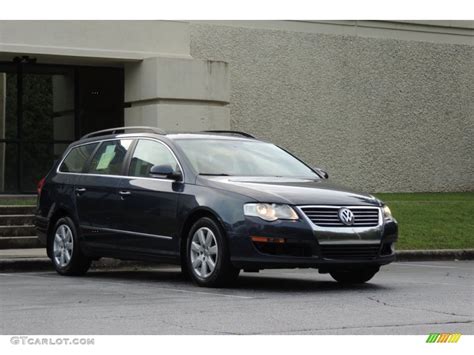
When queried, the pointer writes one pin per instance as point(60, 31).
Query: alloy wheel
point(63, 245)
point(204, 252)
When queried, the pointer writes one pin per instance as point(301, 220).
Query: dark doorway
point(43, 108)
point(100, 98)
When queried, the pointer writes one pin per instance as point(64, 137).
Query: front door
point(150, 204)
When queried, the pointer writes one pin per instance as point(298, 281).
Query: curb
point(25, 264)
point(439, 254)
point(42, 264)
point(45, 264)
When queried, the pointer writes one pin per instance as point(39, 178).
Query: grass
point(18, 201)
point(433, 220)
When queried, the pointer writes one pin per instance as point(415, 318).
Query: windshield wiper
point(214, 174)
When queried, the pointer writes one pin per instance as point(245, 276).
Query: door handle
point(80, 190)
point(124, 193)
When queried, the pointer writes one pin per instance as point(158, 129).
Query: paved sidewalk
point(7, 254)
point(19, 260)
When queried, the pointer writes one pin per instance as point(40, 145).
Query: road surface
point(404, 298)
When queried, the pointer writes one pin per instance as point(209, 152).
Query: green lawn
point(433, 220)
point(17, 201)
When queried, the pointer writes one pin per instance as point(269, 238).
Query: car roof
point(152, 132)
point(202, 135)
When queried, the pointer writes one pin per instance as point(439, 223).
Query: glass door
point(8, 130)
point(45, 107)
point(36, 122)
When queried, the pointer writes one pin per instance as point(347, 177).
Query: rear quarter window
point(77, 158)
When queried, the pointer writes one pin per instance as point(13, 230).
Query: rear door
point(98, 198)
point(150, 204)
point(69, 174)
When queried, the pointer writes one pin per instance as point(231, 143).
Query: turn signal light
point(267, 240)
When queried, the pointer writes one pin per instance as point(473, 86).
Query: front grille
point(329, 216)
point(350, 252)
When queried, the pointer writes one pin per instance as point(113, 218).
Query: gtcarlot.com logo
point(29, 340)
point(443, 338)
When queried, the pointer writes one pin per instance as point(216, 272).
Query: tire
point(66, 254)
point(353, 277)
point(207, 255)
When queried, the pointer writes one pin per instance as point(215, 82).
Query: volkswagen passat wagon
point(215, 202)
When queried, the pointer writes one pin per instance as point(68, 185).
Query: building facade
point(383, 106)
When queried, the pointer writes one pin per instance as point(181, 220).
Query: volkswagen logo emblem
point(346, 216)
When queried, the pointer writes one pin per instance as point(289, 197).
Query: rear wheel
point(353, 276)
point(66, 254)
point(207, 255)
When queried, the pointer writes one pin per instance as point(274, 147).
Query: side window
point(77, 158)
point(148, 153)
point(109, 157)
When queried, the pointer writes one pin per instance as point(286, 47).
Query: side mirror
point(165, 171)
point(322, 172)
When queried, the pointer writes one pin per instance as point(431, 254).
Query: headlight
point(387, 214)
point(270, 212)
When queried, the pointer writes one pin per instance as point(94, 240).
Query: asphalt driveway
point(404, 298)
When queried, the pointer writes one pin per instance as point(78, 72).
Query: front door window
point(149, 153)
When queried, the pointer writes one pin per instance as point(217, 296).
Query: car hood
point(292, 191)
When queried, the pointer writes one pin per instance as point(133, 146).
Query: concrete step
point(16, 219)
point(17, 231)
point(16, 210)
point(23, 242)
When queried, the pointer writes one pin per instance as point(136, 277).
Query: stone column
point(177, 94)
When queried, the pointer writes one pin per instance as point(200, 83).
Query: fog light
point(387, 249)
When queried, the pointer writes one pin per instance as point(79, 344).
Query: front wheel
point(353, 276)
point(207, 255)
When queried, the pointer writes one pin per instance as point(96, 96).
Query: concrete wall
point(380, 113)
point(115, 41)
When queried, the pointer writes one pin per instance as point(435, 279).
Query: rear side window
point(108, 159)
point(77, 158)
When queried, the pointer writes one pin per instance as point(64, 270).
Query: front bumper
point(309, 246)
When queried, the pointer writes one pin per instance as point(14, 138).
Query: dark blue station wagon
point(214, 202)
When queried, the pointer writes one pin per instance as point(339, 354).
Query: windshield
point(242, 158)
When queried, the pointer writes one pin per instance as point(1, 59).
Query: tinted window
point(149, 153)
point(109, 157)
point(77, 158)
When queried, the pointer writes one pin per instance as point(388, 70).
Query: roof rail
point(238, 133)
point(130, 129)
